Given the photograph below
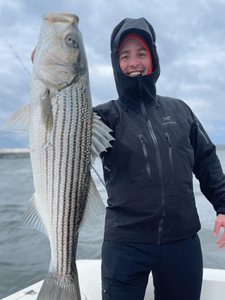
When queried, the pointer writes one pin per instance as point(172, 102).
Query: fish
point(65, 138)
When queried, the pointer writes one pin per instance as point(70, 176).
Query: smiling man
point(151, 220)
point(134, 56)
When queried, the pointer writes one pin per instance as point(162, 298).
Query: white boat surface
point(90, 284)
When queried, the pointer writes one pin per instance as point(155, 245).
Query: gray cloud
point(190, 41)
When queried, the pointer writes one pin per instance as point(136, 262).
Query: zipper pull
point(168, 139)
point(139, 84)
point(141, 138)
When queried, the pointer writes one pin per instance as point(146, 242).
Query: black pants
point(176, 268)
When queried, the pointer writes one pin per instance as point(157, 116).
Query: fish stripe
point(67, 188)
point(59, 164)
point(55, 126)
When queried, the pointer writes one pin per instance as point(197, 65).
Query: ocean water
point(25, 254)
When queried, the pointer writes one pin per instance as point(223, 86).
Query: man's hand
point(220, 222)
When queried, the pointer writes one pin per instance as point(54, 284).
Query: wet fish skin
point(64, 137)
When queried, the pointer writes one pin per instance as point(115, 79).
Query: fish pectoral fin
point(19, 121)
point(31, 219)
point(94, 205)
point(100, 137)
point(46, 110)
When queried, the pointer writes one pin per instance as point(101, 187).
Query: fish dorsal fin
point(100, 137)
point(94, 205)
point(31, 218)
point(19, 121)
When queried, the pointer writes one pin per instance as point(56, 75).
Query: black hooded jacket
point(158, 144)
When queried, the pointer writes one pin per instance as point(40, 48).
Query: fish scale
point(65, 136)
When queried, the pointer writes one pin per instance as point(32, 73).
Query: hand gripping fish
point(64, 137)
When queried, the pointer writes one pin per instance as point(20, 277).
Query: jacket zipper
point(159, 162)
point(170, 156)
point(146, 156)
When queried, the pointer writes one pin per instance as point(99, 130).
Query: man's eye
point(123, 57)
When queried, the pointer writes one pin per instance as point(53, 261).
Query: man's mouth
point(133, 74)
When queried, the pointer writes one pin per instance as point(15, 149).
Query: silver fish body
point(64, 136)
point(61, 171)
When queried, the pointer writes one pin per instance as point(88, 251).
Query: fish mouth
point(61, 17)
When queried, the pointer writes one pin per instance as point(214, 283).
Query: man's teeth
point(134, 74)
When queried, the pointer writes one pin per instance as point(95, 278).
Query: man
point(151, 220)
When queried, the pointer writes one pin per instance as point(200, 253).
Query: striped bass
point(64, 137)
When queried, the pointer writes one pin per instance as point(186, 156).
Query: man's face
point(133, 58)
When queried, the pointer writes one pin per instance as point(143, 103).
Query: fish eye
point(71, 42)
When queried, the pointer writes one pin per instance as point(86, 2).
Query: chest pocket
point(132, 154)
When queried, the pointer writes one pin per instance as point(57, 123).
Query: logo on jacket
point(168, 121)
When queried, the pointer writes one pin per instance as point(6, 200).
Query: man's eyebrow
point(142, 48)
point(124, 51)
point(127, 51)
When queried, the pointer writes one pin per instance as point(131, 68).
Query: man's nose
point(134, 61)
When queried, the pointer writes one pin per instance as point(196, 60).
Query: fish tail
point(57, 288)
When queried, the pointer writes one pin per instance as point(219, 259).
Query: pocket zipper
point(170, 156)
point(146, 156)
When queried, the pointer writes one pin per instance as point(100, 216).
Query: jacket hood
point(130, 88)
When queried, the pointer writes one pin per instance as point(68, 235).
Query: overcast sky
point(190, 41)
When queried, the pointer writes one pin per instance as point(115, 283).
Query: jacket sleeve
point(207, 167)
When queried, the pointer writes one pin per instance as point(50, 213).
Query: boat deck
point(90, 284)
